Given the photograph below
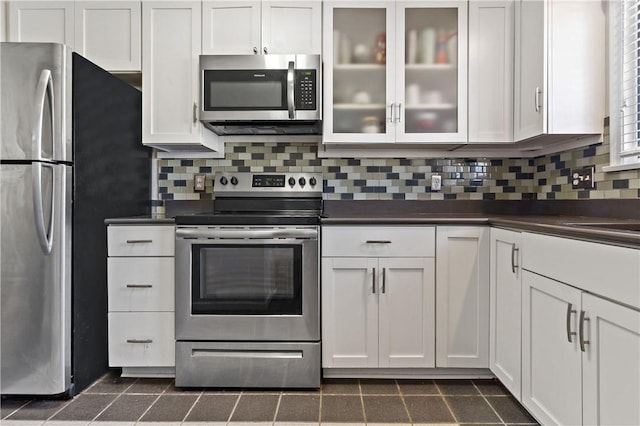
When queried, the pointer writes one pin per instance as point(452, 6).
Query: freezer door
point(35, 280)
point(35, 101)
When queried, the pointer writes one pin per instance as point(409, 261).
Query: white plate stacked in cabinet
point(141, 282)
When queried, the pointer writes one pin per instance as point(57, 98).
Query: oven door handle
point(237, 234)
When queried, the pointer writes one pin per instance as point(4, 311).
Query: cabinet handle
point(378, 242)
point(537, 99)
point(384, 280)
point(265, 50)
point(139, 241)
point(139, 341)
point(374, 280)
point(195, 113)
point(255, 50)
point(139, 286)
point(569, 312)
point(399, 112)
point(582, 341)
point(514, 266)
point(391, 115)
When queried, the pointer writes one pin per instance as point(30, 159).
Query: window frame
point(615, 58)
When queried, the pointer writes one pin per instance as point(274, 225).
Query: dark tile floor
point(123, 401)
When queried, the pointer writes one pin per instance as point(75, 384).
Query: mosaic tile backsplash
point(542, 178)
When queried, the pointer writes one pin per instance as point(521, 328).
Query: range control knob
point(292, 181)
point(302, 181)
point(223, 180)
point(312, 181)
point(234, 180)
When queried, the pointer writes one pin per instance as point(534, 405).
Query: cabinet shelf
point(358, 107)
point(359, 67)
point(420, 107)
point(430, 67)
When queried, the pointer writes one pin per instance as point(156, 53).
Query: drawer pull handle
point(569, 312)
point(514, 266)
point(139, 241)
point(384, 280)
point(139, 286)
point(139, 341)
point(378, 242)
point(582, 341)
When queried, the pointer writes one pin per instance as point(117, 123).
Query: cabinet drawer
point(141, 339)
point(383, 241)
point(141, 283)
point(610, 271)
point(136, 240)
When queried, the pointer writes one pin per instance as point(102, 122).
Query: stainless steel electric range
point(247, 284)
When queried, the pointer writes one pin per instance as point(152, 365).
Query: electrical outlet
point(198, 182)
point(582, 178)
point(436, 182)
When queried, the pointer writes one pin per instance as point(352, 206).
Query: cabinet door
point(491, 56)
point(611, 363)
point(530, 95)
point(292, 27)
point(462, 297)
point(171, 45)
point(358, 54)
point(505, 312)
point(42, 21)
point(349, 312)
point(108, 33)
point(230, 27)
point(407, 312)
point(551, 365)
point(431, 76)
point(3, 21)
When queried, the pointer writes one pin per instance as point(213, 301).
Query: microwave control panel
point(305, 89)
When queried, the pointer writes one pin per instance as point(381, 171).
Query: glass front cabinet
point(395, 72)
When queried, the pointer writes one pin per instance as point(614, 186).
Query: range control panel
point(266, 184)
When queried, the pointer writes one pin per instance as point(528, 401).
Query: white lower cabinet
point(462, 296)
point(141, 291)
point(505, 308)
point(378, 312)
point(580, 351)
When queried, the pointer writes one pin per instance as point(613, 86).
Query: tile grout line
point(16, 410)
point(277, 408)
point(403, 401)
point(488, 403)
point(184, 419)
point(233, 410)
point(112, 402)
point(364, 413)
point(455, 418)
point(148, 408)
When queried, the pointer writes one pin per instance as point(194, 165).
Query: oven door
point(257, 284)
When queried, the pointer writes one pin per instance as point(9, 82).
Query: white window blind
point(624, 57)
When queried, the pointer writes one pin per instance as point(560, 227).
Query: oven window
point(258, 279)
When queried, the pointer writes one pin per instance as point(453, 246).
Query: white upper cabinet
point(261, 27)
point(559, 68)
point(108, 33)
point(395, 72)
point(42, 21)
point(3, 21)
point(170, 83)
point(491, 56)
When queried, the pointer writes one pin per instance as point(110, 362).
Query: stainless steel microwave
point(261, 94)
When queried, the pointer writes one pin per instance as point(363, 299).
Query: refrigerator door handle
point(45, 240)
point(45, 85)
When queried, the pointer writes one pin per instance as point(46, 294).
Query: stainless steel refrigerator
point(70, 156)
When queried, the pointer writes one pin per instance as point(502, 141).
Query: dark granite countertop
point(150, 219)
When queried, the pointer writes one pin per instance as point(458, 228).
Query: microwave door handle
point(290, 87)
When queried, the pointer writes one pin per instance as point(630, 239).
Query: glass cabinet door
point(359, 72)
point(431, 77)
